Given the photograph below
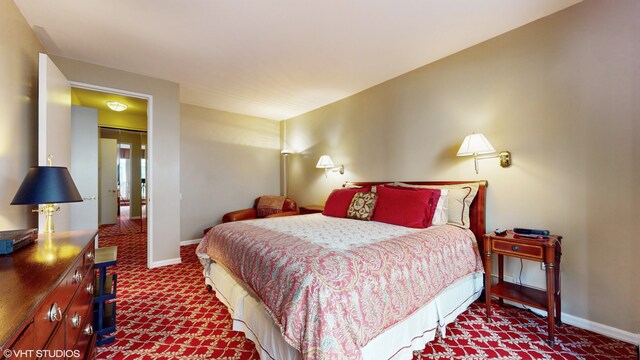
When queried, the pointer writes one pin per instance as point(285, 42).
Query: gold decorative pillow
point(362, 206)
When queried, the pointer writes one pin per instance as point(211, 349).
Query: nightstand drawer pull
point(515, 248)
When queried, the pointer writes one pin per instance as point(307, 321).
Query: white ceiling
point(274, 59)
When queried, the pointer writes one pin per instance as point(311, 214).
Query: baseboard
point(134, 218)
point(573, 320)
point(189, 242)
point(167, 262)
point(606, 330)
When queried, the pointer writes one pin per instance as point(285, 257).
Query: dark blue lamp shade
point(47, 185)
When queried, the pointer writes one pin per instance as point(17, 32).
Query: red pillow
point(408, 207)
point(339, 200)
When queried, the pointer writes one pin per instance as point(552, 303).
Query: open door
point(84, 166)
point(75, 147)
point(54, 127)
point(108, 181)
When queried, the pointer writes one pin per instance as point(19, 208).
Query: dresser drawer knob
point(77, 277)
point(515, 248)
point(89, 288)
point(90, 256)
point(76, 320)
point(55, 313)
point(88, 330)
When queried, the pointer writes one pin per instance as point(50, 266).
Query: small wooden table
point(311, 209)
point(547, 250)
point(104, 308)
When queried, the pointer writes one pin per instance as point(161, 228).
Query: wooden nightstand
point(311, 209)
point(547, 250)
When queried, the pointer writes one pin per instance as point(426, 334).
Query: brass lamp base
point(48, 210)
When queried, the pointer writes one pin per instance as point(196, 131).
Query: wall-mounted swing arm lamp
point(477, 144)
point(326, 163)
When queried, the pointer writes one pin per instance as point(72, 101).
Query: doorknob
point(112, 191)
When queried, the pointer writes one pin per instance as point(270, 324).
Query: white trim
point(149, 154)
point(602, 329)
point(165, 263)
point(86, 86)
point(190, 242)
point(573, 320)
point(135, 218)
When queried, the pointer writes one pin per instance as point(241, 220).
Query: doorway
point(123, 151)
point(129, 171)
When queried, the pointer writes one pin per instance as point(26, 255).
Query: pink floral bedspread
point(330, 293)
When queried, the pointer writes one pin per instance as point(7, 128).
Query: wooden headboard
point(476, 213)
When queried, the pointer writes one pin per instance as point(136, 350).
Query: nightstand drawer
point(531, 252)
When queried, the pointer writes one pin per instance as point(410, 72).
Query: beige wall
point(19, 49)
point(563, 95)
point(164, 144)
point(227, 160)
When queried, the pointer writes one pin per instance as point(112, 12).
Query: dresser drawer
point(56, 346)
point(83, 344)
point(54, 307)
point(80, 309)
point(531, 252)
point(89, 257)
point(24, 344)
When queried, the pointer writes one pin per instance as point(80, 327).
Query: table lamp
point(49, 186)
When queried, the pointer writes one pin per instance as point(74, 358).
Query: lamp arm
point(482, 157)
point(505, 158)
point(339, 169)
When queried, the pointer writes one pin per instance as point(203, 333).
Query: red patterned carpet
point(166, 313)
point(124, 226)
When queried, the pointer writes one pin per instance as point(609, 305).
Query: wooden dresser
point(46, 297)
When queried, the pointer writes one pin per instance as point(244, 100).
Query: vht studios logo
point(51, 354)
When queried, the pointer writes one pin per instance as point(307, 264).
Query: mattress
point(331, 285)
point(398, 342)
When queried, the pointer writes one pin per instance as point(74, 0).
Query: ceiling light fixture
point(116, 106)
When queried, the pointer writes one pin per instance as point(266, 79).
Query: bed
point(317, 287)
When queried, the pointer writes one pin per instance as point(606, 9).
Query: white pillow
point(459, 200)
point(441, 215)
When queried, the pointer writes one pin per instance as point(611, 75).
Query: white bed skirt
point(411, 334)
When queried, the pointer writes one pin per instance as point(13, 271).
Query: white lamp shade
point(325, 162)
point(475, 144)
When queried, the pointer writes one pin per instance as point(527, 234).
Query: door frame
point(149, 153)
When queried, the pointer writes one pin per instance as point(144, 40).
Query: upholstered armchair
point(289, 207)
